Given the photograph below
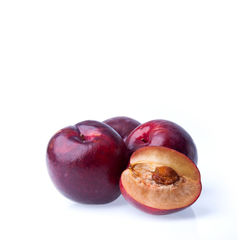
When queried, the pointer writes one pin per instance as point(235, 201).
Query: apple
point(85, 162)
point(162, 133)
point(123, 125)
point(160, 180)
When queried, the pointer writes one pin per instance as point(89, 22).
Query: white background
point(62, 62)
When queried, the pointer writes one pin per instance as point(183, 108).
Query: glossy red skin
point(87, 171)
point(162, 133)
point(148, 209)
point(123, 125)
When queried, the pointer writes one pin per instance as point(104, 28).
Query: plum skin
point(85, 162)
point(122, 124)
point(162, 133)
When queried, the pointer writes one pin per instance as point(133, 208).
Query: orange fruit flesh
point(139, 183)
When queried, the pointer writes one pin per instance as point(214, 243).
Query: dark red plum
point(123, 125)
point(162, 133)
point(85, 162)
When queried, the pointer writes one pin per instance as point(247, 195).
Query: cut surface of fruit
point(161, 178)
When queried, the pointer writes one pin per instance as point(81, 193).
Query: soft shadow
point(185, 214)
point(209, 201)
point(119, 202)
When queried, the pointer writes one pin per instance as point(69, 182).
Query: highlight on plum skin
point(160, 180)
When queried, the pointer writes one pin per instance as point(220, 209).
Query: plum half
point(160, 180)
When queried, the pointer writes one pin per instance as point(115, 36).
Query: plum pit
point(165, 175)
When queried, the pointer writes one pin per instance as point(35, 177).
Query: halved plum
point(160, 180)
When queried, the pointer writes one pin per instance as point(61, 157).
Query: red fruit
point(123, 125)
point(85, 162)
point(162, 133)
point(160, 180)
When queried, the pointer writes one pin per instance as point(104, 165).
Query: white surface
point(62, 62)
